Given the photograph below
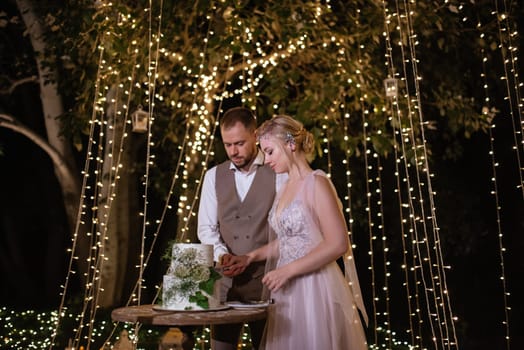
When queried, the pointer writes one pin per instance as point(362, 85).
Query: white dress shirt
point(208, 227)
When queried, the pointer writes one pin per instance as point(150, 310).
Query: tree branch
point(17, 83)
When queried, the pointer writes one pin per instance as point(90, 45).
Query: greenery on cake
point(193, 279)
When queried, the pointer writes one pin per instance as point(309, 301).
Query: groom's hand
point(234, 265)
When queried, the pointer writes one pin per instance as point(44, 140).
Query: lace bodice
point(293, 230)
point(292, 233)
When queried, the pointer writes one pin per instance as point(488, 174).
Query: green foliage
point(328, 62)
point(30, 329)
point(341, 60)
point(200, 299)
point(208, 285)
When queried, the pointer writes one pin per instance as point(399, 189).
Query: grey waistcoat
point(243, 225)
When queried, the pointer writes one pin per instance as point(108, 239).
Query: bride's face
point(275, 153)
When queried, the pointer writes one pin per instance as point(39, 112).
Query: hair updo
point(288, 130)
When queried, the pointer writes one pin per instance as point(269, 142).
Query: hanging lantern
point(391, 86)
point(140, 119)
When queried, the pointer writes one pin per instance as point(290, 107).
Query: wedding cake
point(189, 283)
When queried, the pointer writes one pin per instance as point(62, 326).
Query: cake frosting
point(189, 283)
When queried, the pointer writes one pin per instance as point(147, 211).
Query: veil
point(271, 260)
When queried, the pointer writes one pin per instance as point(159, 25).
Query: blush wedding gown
point(318, 310)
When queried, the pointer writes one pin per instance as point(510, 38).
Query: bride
point(315, 305)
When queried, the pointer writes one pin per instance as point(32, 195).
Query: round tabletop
point(154, 315)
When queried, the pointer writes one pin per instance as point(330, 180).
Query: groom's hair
point(239, 114)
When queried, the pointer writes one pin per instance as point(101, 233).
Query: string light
point(513, 85)
point(103, 191)
point(413, 302)
point(428, 267)
point(374, 211)
point(491, 113)
point(81, 213)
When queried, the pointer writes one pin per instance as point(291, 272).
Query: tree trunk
point(52, 108)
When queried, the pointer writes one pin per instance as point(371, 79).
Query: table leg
point(188, 337)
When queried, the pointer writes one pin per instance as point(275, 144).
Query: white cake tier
point(201, 253)
point(190, 269)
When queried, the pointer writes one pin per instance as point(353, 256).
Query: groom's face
point(240, 145)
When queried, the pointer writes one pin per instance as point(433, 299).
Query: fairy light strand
point(385, 249)
point(151, 79)
point(410, 223)
point(491, 112)
point(376, 230)
point(500, 236)
point(80, 213)
point(511, 75)
point(422, 235)
point(434, 295)
point(380, 294)
point(371, 235)
point(444, 315)
point(347, 168)
point(191, 208)
point(418, 265)
point(111, 130)
point(116, 169)
point(93, 288)
point(99, 234)
point(153, 41)
point(412, 300)
point(445, 303)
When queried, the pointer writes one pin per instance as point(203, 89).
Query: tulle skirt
point(315, 312)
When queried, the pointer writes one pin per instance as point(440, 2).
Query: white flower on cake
point(201, 273)
point(190, 280)
point(182, 271)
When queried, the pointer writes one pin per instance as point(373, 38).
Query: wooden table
point(149, 315)
point(146, 314)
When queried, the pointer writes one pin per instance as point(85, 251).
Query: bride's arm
point(335, 241)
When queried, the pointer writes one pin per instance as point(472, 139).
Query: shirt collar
point(259, 161)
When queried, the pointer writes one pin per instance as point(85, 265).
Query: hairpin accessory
point(289, 138)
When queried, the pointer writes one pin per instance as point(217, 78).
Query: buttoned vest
point(243, 225)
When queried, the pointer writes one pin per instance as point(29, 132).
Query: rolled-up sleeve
point(208, 227)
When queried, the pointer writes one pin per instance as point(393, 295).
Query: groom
point(235, 200)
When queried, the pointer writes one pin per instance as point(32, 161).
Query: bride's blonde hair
point(288, 130)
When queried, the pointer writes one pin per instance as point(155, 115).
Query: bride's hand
point(275, 279)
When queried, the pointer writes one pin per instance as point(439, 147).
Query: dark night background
point(34, 237)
